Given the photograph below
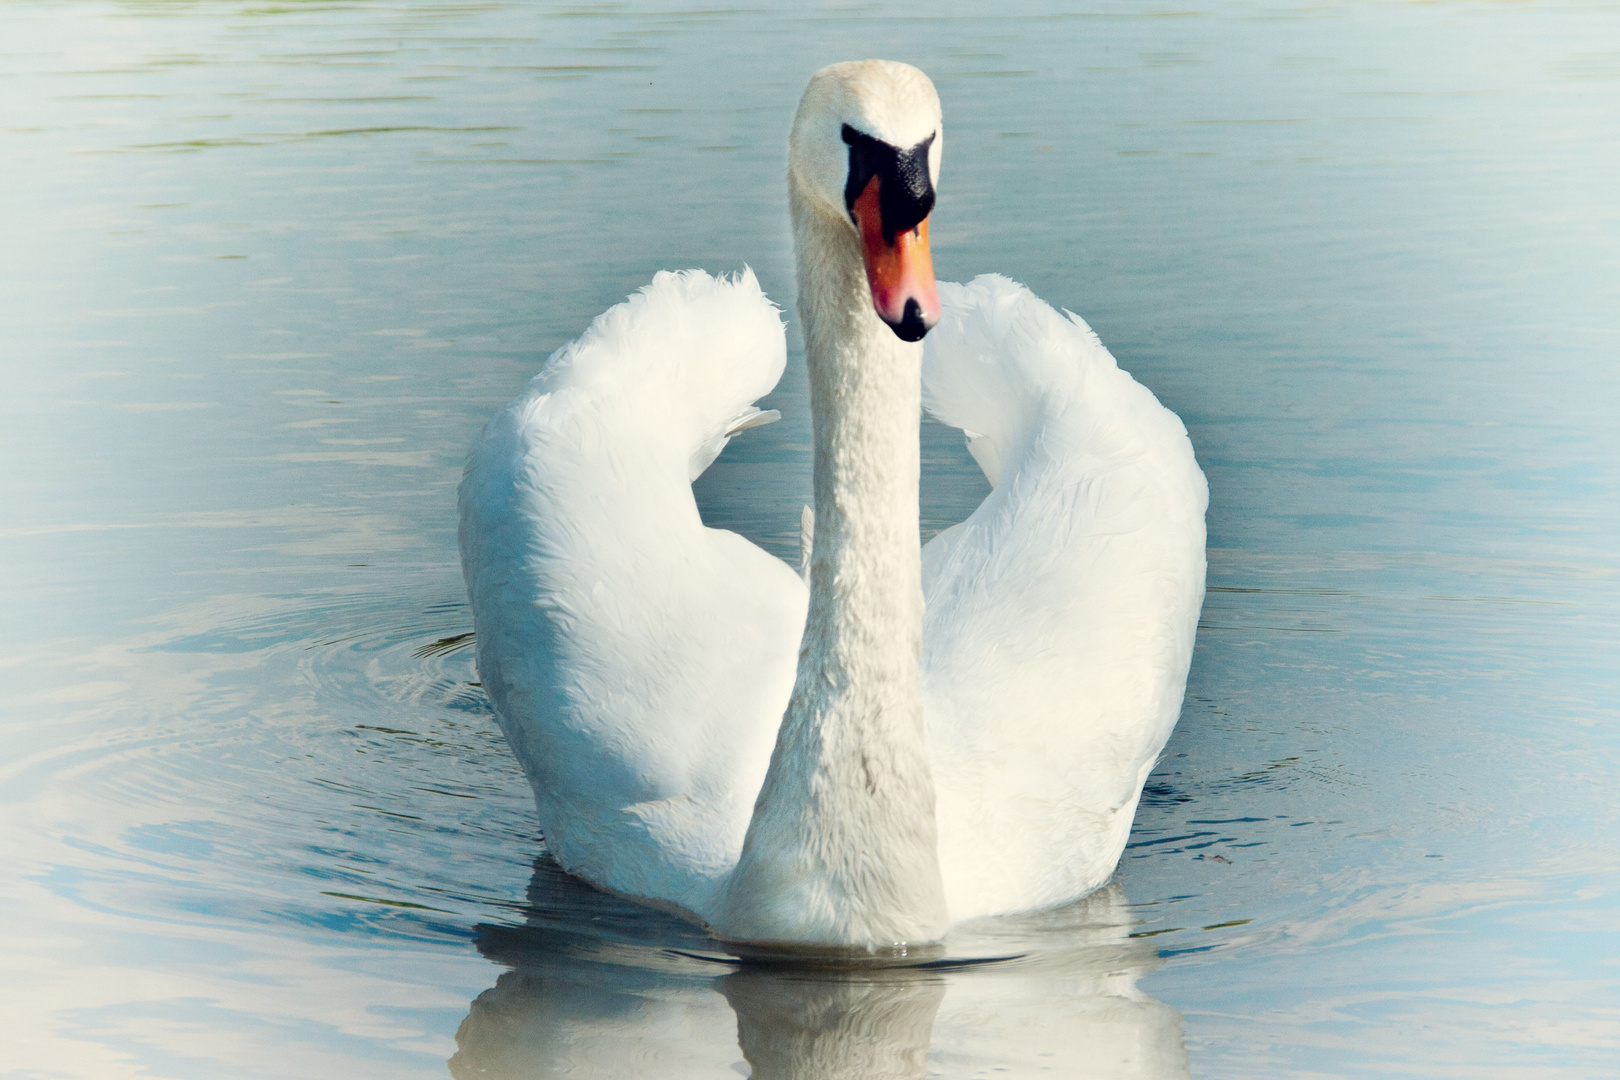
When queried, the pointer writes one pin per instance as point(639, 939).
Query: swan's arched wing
point(638, 661)
point(1060, 615)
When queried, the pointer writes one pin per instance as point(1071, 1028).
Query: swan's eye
point(905, 190)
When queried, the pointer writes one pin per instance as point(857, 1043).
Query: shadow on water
point(601, 986)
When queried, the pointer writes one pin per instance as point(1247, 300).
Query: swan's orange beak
point(900, 273)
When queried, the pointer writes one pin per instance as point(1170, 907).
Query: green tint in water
point(270, 267)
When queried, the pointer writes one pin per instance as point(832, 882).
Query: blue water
point(268, 267)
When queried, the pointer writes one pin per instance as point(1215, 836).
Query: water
point(269, 267)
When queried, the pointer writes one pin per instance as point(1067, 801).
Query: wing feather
point(638, 661)
point(1060, 614)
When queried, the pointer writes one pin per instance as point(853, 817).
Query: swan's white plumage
point(1060, 615)
point(640, 663)
point(634, 656)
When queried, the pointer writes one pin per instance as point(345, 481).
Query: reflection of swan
point(641, 663)
point(595, 992)
point(819, 1025)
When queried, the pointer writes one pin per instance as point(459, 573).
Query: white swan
point(968, 726)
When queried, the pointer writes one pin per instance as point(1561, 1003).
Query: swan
point(901, 736)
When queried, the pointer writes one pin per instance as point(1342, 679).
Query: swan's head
point(865, 147)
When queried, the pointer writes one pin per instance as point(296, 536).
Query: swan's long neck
point(842, 848)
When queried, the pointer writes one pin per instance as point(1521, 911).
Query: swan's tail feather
point(807, 540)
point(752, 418)
point(707, 451)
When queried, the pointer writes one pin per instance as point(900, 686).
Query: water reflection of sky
point(270, 266)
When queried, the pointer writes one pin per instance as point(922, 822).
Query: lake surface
point(270, 265)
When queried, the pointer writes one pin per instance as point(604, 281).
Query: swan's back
point(637, 660)
point(1060, 615)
